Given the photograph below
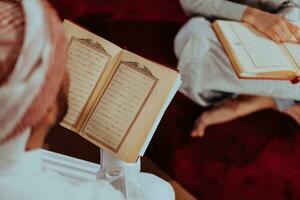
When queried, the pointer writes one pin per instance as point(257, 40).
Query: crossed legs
point(241, 106)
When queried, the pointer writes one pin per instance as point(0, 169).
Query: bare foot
point(238, 107)
point(294, 112)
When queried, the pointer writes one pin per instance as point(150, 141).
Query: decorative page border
point(143, 70)
point(98, 47)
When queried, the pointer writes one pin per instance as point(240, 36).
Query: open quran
point(116, 98)
point(254, 56)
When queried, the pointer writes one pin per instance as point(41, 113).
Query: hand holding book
point(276, 27)
point(254, 56)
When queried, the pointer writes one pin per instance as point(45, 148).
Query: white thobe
point(23, 177)
point(203, 64)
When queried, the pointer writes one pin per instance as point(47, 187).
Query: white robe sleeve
point(291, 11)
point(214, 8)
point(224, 9)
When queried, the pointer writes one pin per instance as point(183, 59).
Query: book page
point(88, 64)
point(120, 104)
point(171, 95)
point(85, 66)
point(262, 51)
point(255, 52)
point(294, 51)
point(126, 115)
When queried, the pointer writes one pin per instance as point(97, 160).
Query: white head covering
point(33, 83)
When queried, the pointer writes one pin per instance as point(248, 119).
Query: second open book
point(116, 98)
point(255, 56)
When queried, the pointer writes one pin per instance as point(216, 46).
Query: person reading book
point(207, 74)
point(33, 97)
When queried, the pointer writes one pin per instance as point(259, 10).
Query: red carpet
point(255, 157)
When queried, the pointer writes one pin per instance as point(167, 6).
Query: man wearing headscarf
point(33, 89)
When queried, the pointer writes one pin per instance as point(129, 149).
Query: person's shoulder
point(12, 188)
point(81, 189)
point(49, 185)
point(98, 189)
point(35, 186)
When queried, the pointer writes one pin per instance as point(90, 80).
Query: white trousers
point(204, 67)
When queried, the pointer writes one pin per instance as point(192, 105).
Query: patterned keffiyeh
point(32, 60)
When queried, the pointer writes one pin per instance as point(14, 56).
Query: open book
point(116, 97)
point(255, 56)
